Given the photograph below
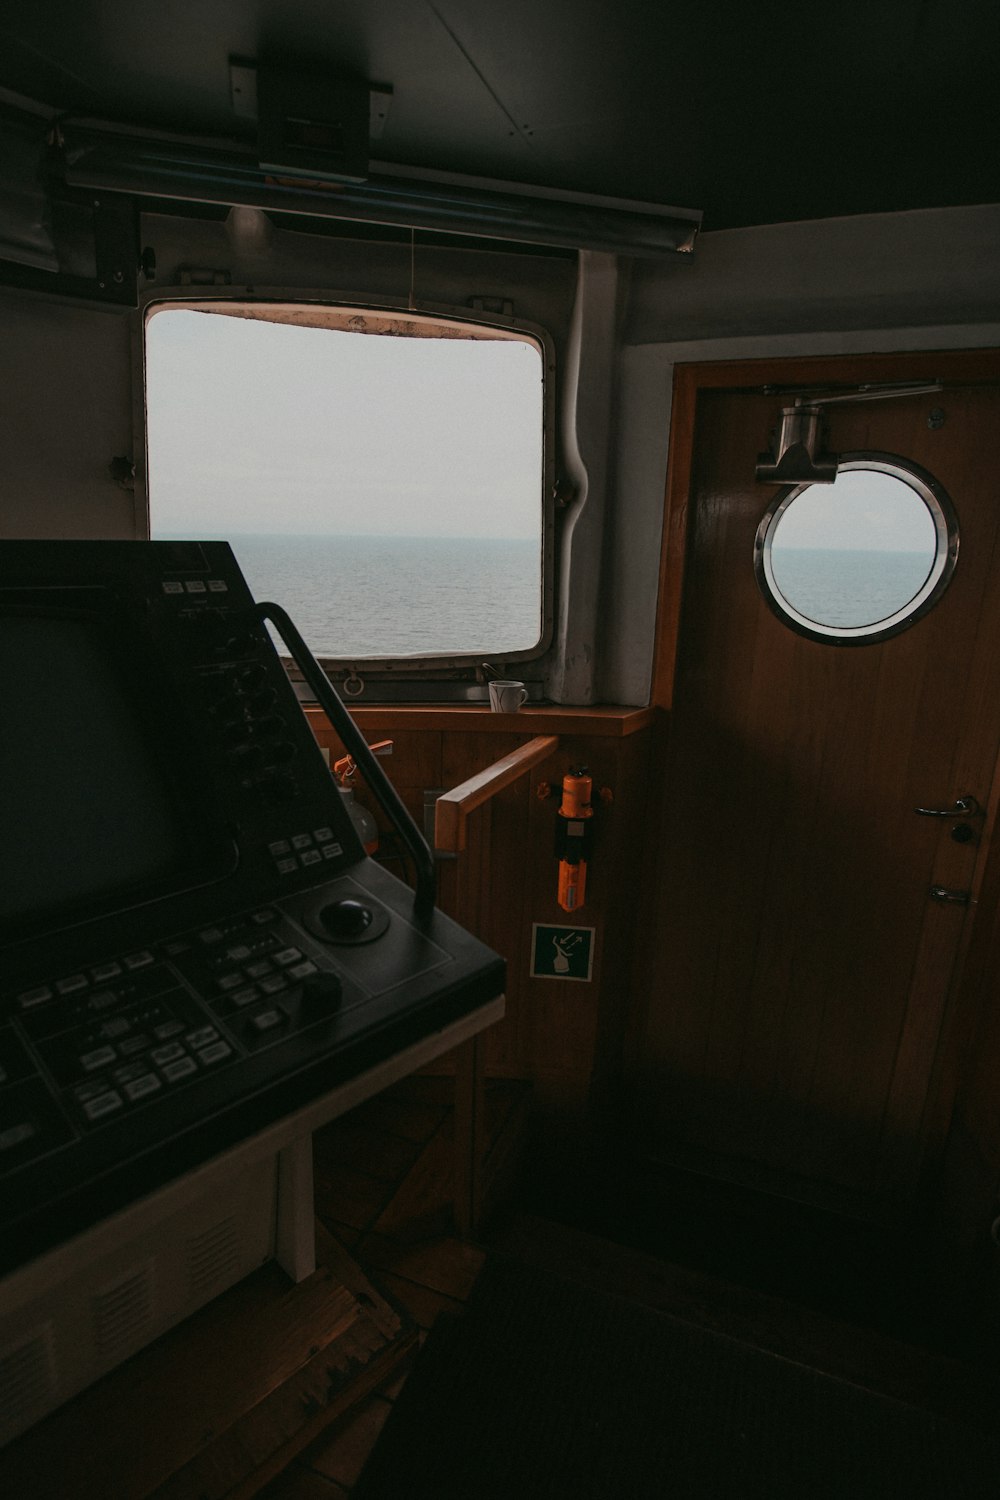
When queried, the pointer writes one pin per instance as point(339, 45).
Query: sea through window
point(378, 474)
point(859, 559)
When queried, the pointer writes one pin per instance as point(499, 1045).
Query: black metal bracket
point(116, 259)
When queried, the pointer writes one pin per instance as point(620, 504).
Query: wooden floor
point(382, 1188)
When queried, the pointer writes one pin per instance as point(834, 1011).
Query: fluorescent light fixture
point(109, 158)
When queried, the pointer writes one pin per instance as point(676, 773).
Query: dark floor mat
point(544, 1388)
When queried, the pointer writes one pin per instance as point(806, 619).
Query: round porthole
point(862, 558)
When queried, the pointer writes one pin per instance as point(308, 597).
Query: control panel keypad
point(133, 1028)
point(123, 1032)
point(248, 970)
point(300, 851)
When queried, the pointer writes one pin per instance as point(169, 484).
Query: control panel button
point(104, 972)
point(30, 998)
point(322, 835)
point(72, 984)
point(138, 960)
point(16, 1135)
point(287, 956)
point(273, 983)
point(302, 970)
point(302, 841)
point(287, 866)
point(104, 1104)
point(132, 1071)
point(167, 1054)
point(140, 1088)
point(99, 1058)
point(215, 1053)
point(202, 1036)
point(167, 1029)
point(259, 701)
point(245, 996)
point(133, 1045)
point(172, 586)
point(85, 1091)
point(266, 1020)
point(173, 1072)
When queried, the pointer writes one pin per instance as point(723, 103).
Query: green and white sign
point(561, 952)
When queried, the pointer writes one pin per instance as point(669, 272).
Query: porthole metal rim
point(943, 515)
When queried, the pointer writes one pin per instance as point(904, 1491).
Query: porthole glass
point(859, 559)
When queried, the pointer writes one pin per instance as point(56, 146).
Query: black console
point(193, 942)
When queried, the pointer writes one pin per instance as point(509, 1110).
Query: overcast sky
point(860, 511)
point(257, 427)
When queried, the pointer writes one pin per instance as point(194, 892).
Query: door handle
point(964, 807)
point(945, 896)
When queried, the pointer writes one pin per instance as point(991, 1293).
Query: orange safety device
point(574, 830)
point(344, 768)
point(364, 824)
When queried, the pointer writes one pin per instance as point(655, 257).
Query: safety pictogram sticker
point(561, 952)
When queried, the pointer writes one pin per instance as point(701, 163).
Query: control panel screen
point(88, 804)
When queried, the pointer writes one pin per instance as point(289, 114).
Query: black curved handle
point(357, 746)
point(965, 807)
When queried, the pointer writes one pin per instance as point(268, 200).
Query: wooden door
point(799, 1031)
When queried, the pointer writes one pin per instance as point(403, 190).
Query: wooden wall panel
point(506, 880)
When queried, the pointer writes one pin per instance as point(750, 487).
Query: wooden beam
point(453, 808)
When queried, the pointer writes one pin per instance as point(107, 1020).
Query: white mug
point(506, 697)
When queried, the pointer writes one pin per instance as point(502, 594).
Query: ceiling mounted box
point(310, 126)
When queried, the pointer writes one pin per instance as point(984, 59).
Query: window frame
point(945, 520)
point(456, 677)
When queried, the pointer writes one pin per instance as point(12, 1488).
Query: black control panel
point(231, 953)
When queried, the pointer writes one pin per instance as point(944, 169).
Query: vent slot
point(213, 1257)
point(27, 1382)
point(123, 1313)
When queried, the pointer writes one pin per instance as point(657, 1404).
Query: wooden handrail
point(452, 811)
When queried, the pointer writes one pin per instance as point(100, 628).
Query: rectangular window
point(381, 475)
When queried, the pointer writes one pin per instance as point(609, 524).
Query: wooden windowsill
point(616, 723)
